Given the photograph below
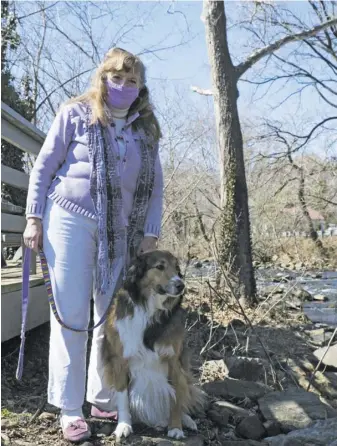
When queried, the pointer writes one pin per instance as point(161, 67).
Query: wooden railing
point(19, 132)
point(25, 136)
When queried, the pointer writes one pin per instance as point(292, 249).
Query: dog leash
point(51, 300)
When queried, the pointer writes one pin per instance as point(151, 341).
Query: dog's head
point(155, 273)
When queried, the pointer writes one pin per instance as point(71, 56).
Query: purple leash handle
point(52, 303)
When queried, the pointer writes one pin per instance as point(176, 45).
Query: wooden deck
point(11, 285)
point(11, 277)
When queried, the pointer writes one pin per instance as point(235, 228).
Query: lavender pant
point(69, 243)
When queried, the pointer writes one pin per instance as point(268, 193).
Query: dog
point(144, 355)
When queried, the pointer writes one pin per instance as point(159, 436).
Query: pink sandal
point(76, 431)
point(97, 413)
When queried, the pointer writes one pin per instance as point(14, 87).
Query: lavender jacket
point(62, 170)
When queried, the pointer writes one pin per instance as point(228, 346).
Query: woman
point(95, 199)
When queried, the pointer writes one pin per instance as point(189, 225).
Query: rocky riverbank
point(258, 367)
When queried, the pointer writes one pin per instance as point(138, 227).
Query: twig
point(39, 410)
point(320, 361)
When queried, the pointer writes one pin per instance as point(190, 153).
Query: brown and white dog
point(145, 359)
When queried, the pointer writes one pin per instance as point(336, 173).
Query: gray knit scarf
point(114, 239)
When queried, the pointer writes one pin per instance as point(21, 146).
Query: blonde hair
point(118, 59)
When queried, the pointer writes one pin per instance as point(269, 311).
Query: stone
point(214, 370)
point(236, 388)
point(239, 367)
point(318, 433)
point(251, 428)
point(272, 290)
point(294, 408)
point(319, 336)
point(301, 293)
point(272, 428)
point(330, 355)
point(320, 297)
point(105, 430)
point(47, 416)
point(165, 443)
point(236, 411)
point(220, 417)
point(194, 441)
point(197, 264)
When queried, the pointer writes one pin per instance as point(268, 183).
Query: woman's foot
point(97, 413)
point(73, 426)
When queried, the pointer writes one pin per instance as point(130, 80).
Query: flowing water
point(315, 282)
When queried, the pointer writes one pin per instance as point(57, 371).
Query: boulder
point(318, 433)
point(329, 355)
point(272, 428)
point(220, 417)
point(236, 388)
point(251, 428)
point(294, 408)
point(239, 367)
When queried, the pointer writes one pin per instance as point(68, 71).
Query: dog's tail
point(198, 398)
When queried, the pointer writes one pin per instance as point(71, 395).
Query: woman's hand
point(148, 244)
point(33, 233)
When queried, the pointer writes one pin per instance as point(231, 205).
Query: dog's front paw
point(123, 430)
point(189, 423)
point(175, 433)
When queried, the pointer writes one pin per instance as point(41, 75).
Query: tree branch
point(269, 49)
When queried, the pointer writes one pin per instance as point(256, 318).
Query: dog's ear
point(134, 274)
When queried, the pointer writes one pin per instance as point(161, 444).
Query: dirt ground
point(213, 332)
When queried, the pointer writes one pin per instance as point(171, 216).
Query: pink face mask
point(120, 96)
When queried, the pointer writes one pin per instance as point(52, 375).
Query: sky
point(177, 24)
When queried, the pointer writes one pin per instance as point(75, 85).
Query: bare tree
point(63, 42)
point(235, 227)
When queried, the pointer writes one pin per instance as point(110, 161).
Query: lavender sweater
point(62, 170)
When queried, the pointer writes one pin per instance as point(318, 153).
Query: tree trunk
point(235, 243)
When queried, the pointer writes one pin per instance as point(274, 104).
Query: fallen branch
point(320, 361)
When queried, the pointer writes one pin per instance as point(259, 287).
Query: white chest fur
point(150, 394)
